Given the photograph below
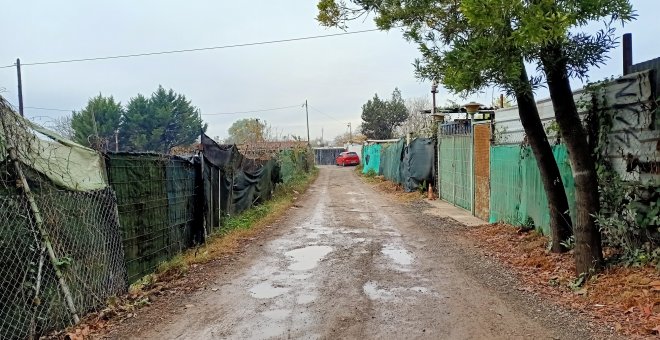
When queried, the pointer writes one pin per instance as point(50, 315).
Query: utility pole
point(321, 136)
point(20, 87)
point(307, 115)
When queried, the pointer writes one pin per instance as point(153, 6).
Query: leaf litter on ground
point(626, 299)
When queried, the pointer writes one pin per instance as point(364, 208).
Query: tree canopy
point(95, 125)
point(247, 130)
point(158, 123)
point(471, 44)
point(380, 117)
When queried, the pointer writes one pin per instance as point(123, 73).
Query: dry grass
point(625, 298)
point(391, 188)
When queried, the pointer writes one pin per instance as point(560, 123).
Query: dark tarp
point(221, 155)
point(253, 186)
point(327, 156)
point(418, 162)
point(243, 182)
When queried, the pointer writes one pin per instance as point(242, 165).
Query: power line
point(47, 109)
point(325, 114)
point(203, 114)
point(251, 111)
point(193, 49)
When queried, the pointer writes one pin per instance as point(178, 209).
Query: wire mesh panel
point(60, 245)
point(83, 231)
point(156, 201)
point(455, 158)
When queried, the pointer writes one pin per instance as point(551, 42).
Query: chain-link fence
point(60, 247)
point(83, 232)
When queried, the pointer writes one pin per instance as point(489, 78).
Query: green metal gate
point(455, 163)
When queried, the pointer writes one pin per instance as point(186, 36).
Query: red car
point(348, 158)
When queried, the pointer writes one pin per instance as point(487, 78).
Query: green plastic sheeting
point(455, 154)
point(294, 162)
point(517, 195)
point(391, 161)
point(371, 158)
point(65, 163)
point(156, 200)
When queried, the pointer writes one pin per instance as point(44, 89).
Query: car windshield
point(351, 154)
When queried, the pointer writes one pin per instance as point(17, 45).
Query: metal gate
point(455, 163)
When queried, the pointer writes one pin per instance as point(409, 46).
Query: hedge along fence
point(157, 198)
point(391, 161)
point(517, 195)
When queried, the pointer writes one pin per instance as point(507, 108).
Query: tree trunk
point(588, 250)
point(560, 219)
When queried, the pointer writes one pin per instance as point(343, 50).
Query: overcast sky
point(336, 75)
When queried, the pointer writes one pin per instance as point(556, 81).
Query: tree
point(380, 118)
point(549, 34)
point(497, 37)
point(348, 137)
point(418, 122)
point(62, 125)
point(158, 123)
point(96, 125)
point(247, 130)
point(446, 40)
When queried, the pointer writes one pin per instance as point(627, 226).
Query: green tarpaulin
point(517, 195)
point(371, 158)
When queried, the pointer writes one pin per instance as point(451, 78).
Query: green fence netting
point(156, 197)
point(371, 158)
point(517, 193)
point(391, 161)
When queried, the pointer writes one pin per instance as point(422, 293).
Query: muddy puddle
point(266, 290)
point(398, 254)
point(308, 257)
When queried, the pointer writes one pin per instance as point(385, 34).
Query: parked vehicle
point(348, 158)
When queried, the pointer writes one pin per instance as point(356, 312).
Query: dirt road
point(351, 263)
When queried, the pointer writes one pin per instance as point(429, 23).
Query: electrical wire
point(269, 42)
point(251, 111)
point(325, 114)
point(203, 114)
point(46, 109)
